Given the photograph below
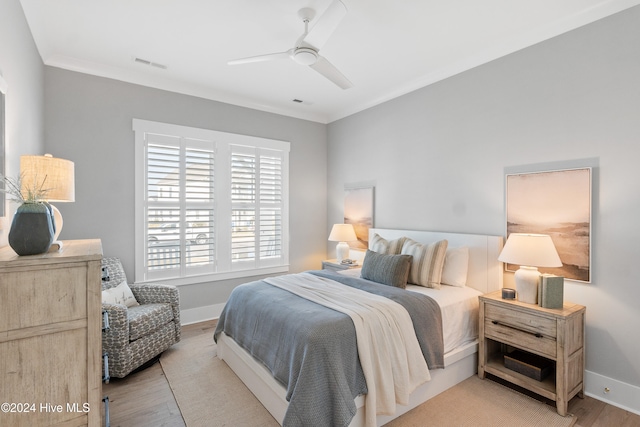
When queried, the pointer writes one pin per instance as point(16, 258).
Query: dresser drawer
point(527, 331)
point(45, 298)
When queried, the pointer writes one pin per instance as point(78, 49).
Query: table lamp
point(529, 251)
point(342, 233)
point(54, 174)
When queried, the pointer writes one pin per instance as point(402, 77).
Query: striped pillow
point(388, 247)
point(427, 263)
point(391, 270)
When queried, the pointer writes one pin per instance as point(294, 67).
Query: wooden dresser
point(555, 334)
point(50, 336)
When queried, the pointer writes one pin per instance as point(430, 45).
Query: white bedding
point(459, 308)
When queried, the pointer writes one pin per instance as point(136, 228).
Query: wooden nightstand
point(556, 334)
point(334, 265)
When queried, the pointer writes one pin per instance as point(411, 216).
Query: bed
point(484, 274)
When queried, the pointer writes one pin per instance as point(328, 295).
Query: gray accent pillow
point(391, 270)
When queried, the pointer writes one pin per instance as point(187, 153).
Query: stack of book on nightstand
point(550, 291)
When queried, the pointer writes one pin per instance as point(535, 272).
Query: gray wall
point(438, 157)
point(88, 120)
point(22, 69)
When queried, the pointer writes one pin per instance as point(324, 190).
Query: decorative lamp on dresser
point(554, 336)
point(50, 336)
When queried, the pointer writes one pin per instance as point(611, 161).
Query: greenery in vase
point(36, 192)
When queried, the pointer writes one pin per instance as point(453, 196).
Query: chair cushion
point(145, 319)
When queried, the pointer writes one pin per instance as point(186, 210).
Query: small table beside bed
point(304, 355)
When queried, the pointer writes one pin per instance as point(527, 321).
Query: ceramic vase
point(32, 229)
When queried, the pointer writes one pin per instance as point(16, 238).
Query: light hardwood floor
point(144, 399)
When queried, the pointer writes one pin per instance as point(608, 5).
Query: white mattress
point(459, 308)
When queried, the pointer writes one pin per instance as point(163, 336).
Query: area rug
point(208, 393)
point(476, 402)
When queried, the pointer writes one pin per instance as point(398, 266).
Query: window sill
point(216, 277)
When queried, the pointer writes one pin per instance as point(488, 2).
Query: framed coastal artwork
point(557, 203)
point(358, 211)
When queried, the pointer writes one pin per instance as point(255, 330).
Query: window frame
point(222, 144)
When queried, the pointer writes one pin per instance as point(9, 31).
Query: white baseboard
point(200, 314)
point(613, 392)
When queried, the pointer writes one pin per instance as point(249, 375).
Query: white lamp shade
point(533, 250)
point(342, 233)
point(529, 251)
point(55, 175)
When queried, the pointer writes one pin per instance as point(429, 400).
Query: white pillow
point(120, 294)
point(456, 266)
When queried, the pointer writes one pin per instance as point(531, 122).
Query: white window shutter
point(209, 205)
point(271, 206)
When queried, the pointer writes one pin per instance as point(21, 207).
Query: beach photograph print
point(358, 211)
point(557, 203)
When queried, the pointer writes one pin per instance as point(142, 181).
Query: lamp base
point(526, 279)
point(57, 220)
point(342, 251)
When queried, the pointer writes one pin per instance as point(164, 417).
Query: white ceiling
point(386, 48)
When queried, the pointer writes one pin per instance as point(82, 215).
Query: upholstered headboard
point(485, 271)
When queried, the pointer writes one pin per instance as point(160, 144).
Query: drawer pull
point(105, 359)
point(107, 420)
point(535, 334)
point(105, 321)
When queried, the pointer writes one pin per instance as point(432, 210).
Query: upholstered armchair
point(137, 334)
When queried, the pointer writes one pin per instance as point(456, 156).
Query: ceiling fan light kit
point(307, 47)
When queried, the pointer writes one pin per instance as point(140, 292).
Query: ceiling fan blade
point(327, 69)
point(260, 58)
point(326, 25)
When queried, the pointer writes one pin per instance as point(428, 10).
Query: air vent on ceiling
point(300, 101)
point(150, 63)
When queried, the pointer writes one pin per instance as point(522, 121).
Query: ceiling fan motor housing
point(305, 56)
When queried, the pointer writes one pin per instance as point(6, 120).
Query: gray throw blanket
point(312, 349)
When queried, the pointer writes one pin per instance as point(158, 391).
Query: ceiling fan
point(305, 51)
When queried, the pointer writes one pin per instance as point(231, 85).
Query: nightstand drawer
point(530, 341)
point(521, 320)
point(528, 331)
